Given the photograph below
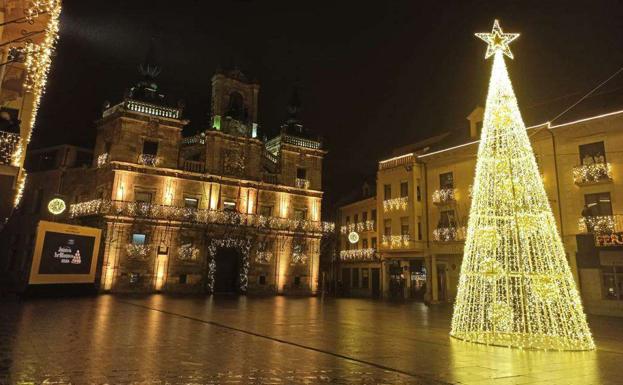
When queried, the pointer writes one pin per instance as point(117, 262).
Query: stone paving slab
point(239, 340)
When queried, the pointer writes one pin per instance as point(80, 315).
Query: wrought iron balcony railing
point(395, 204)
point(449, 234)
point(396, 241)
point(592, 173)
point(357, 255)
point(191, 214)
point(601, 224)
point(193, 166)
point(301, 183)
point(360, 227)
point(443, 196)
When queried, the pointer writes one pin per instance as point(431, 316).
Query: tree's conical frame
point(516, 288)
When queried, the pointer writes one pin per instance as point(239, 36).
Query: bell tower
point(234, 103)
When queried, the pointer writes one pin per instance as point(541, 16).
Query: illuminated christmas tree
point(516, 287)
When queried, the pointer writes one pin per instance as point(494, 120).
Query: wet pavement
point(231, 340)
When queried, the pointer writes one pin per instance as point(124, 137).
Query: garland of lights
point(396, 241)
point(187, 253)
point(191, 214)
point(600, 224)
point(591, 173)
point(19, 193)
point(368, 254)
point(102, 160)
point(448, 234)
point(444, 195)
point(359, 227)
point(399, 203)
point(138, 251)
point(515, 288)
point(242, 245)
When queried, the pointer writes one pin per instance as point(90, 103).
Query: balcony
point(193, 166)
point(301, 183)
point(148, 160)
point(358, 255)
point(360, 227)
point(10, 147)
point(449, 234)
point(601, 224)
point(587, 174)
point(443, 196)
point(395, 204)
point(396, 241)
point(152, 211)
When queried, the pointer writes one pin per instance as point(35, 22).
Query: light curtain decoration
point(515, 287)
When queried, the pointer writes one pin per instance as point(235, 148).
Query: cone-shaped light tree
point(516, 287)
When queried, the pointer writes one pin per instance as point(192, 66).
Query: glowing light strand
point(515, 288)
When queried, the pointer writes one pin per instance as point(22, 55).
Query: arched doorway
point(227, 270)
point(228, 265)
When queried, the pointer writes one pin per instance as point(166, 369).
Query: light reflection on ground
point(205, 340)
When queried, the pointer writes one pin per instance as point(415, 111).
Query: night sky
point(372, 76)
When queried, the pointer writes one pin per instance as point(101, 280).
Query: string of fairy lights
point(37, 60)
point(515, 288)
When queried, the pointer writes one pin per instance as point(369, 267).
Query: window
point(138, 238)
point(297, 281)
point(355, 218)
point(191, 202)
point(266, 211)
point(404, 189)
point(355, 277)
point(262, 280)
point(37, 201)
point(142, 196)
point(229, 205)
point(374, 218)
point(419, 229)
point(301, 173)
point(612, 278)
point(387, 224)
point(364, 244)
point(478, 127)
point(150, 147)
point(404, 225)
point(592, 153)
point(387, 191)
point(300, 214)
point(365, 278)
point(373, 242)
point(364, 216)
point(183, 278)
point(446, 181)
point(347, 219)
point(418, 193)
point(446, 219)
point(597, 204)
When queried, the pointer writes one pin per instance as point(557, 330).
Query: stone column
point(434, 283)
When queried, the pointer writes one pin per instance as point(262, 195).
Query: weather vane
point(497, 40)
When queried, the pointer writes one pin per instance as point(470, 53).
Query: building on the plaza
point(220, 211)
point(27, 37)
point(359, 274)
point(424, 199)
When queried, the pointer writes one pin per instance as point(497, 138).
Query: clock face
point(353, 237)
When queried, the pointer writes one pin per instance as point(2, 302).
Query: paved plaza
point(242, 340)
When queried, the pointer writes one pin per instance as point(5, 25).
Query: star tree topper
point(497, 40)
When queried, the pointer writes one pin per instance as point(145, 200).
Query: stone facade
point(208, 213)
point(580, 165)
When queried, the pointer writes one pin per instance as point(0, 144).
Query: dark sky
point(372, 75)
